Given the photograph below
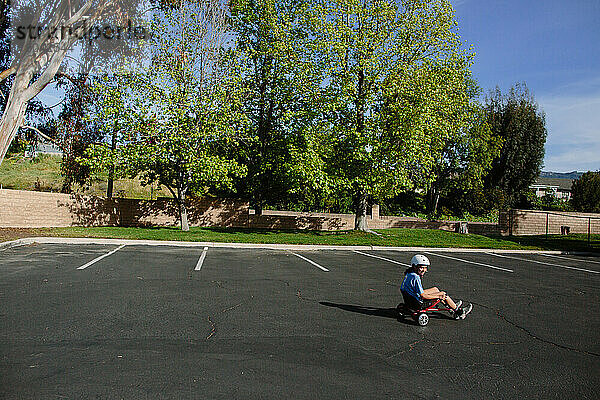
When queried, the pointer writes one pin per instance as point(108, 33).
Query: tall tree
point(113, 116)
point(280, 86)
point(468, 151)
point(75, 132)
point(38, 119)
point(375, 51)
point(184, 105)
point(518, 120)
point(586, 192)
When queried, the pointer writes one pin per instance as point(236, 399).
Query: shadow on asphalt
point(381, 312)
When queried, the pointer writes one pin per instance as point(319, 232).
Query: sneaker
point(458, 314)
point(458, 304)
point(467, 309)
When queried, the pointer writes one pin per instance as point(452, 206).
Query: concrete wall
point(530, 222)
point(28, 209)
point(271, 219)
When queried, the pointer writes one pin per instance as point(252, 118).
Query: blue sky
point(553, 46)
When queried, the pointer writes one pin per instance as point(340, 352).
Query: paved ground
point(185, 323)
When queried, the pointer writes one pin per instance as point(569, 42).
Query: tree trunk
point(433, 199)
point(181, 195)
point(14, 113)
point(360, 103)
point(360, 220)
point(109, 188)
point(184, 218)
point(111, 173)
point(43, 63)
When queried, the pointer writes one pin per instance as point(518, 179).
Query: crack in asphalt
point(213, 325)
point(529, 333)
point(299, 295)
point(411, 346)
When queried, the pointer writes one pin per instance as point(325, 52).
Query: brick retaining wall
point(530, 222)
point(272, 219)
point(28, 209)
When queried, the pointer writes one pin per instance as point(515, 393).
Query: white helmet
point(419, 259)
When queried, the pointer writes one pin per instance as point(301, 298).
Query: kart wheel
point(423, 319)
point(401, 310)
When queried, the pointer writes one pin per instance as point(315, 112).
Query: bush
point(474, 202)
point(407, 203)
point(586, 192)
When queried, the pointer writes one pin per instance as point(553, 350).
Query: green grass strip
point(387, 237)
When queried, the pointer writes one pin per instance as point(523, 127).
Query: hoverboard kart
point(418, 310)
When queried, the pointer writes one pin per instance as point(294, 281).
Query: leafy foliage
point(586, 192)
point(280, 83)
point(518, 120)
point(395, 92)
point(178, 111)
point(310, 105)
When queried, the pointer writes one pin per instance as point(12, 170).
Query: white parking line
point(381, 258)
point(544, 263)
point(84, 266)
point(201, 259)
point(310, 261)
point(471, 262)
point(573, 259)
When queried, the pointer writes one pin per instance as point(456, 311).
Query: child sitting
point(414, 294)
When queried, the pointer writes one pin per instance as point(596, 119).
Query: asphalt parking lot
point(141, 322)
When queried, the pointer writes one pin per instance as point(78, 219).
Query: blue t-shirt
point(412, 285)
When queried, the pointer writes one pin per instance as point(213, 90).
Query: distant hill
point(561, 175)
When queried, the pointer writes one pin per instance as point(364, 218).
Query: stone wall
point(271, 219)
point(533, 222)
point(28, 209)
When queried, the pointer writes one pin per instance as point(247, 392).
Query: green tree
point(519, 121)
point(387, 131)
point(185, 109)
point(279, 82)
point(585, 192)
point(75, 132)
point(114, 114)
point(435, 109)
point(465, 160)
point(36, 59)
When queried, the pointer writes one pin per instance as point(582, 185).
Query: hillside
point(561, 175)
point(43, 173)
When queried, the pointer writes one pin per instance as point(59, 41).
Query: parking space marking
point(381, 258)
point(201, 259)
point(310, 261)
point(84, 266)
point(544, 263)
point(471, 262)
point(572, 259)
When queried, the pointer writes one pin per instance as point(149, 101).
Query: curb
point(12, 243)
point(298, 247)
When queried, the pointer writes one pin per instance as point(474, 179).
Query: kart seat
point(411, 302)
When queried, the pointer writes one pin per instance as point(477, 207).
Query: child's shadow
point(380, 312)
